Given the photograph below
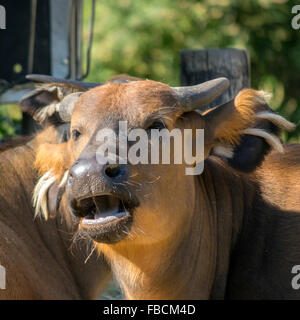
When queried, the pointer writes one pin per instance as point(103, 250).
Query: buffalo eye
point(157, 125)
point(75, 134)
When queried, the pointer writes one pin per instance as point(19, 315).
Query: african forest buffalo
point(38, 256)
point(231, 232)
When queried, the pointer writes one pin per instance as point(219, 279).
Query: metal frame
point(66, 45)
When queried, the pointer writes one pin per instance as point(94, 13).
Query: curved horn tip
point(221, 81)
point(201, 95)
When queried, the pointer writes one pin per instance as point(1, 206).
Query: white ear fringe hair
point(39, 198)
point(52, 108)
point(274, 142)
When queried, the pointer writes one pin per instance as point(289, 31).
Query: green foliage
point(143, 38)
point(10, 120)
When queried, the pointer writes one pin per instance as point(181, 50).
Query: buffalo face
point(124, 201)
point(117, 201)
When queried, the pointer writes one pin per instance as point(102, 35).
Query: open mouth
point(101, 210)
point(104, 218)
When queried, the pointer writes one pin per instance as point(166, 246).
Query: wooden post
point(202, 65)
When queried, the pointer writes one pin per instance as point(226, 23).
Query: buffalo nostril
point(113, 171)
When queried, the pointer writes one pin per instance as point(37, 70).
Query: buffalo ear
point(43, 103)
point(251, 150)
point(244, 130)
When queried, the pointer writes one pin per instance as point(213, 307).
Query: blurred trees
point(143, 38)
point(10, 120)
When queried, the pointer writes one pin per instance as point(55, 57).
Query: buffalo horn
point(201, 95)
point(67, 105)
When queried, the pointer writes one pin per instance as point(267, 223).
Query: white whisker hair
point(155, 180)
point(64, 179)
point(271, 139)
point(90, 254)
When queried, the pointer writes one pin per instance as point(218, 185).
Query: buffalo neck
point(193, 263)
point(230, 196)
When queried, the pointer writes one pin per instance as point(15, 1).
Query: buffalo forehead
point(133, 101)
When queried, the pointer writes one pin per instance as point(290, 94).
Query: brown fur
point(133, 101)
point(13, 142)
point(268, 244)
point(281, 190)
point(187, 230)
point(247, 103)
point(206, 258)
point(37, 255)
